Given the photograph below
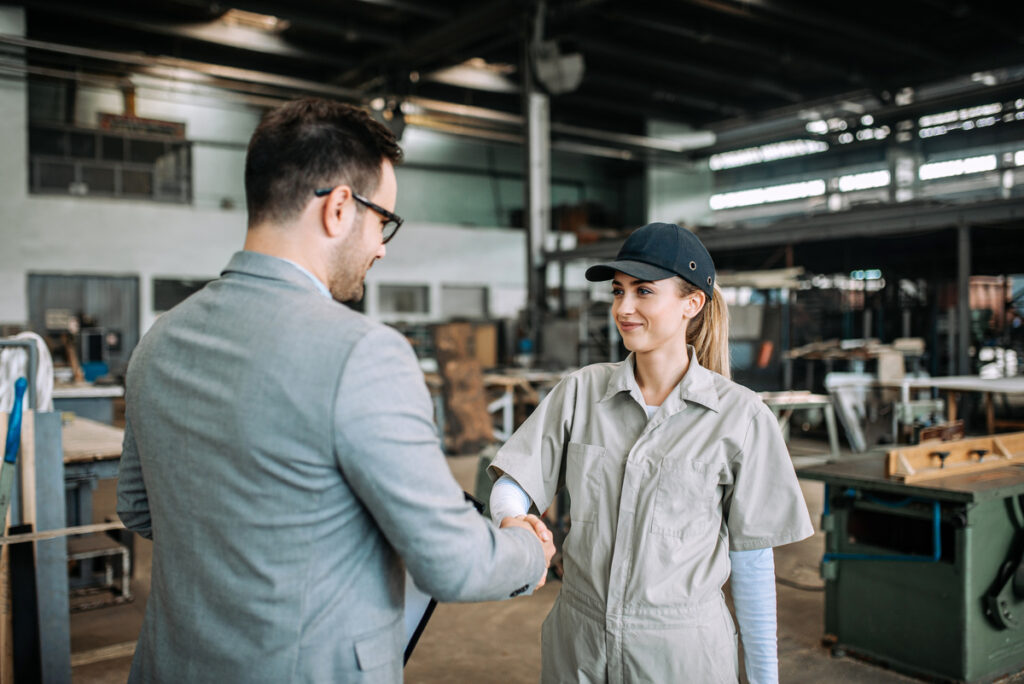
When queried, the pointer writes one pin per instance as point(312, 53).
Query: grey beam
point(473, 26)
point(856, 34)
point(216, 70)
point(763, 51)
point(326, 22)
point(647, 90)
point(963, 298)
point(888, 221)
point(421, 9)
point(212, 32)
point(726, 79)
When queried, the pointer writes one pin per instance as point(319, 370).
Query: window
point(403, 299)
point(460, 301)
point(169, 292)
point(75, 160)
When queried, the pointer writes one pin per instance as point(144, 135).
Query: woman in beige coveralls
point(669, 467)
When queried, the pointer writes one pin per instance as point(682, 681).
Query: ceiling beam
point(782, 56)
point(658, 92)
point(828, 24)
point(212, 32)
point(337, 24)
point(724, 79)
point(420, 9)
point(216, 70)
point(492, 18)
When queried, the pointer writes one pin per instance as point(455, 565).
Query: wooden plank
point(60, 532)
point(99, 655)
point(957, 469)
point(921, 462)
point(90, 440)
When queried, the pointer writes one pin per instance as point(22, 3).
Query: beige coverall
point(655, 508)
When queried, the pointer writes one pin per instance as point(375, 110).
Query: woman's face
point(652, 314)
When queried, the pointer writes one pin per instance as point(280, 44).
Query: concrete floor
point(500, 642)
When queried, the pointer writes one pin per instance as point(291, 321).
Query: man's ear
point(338, 212)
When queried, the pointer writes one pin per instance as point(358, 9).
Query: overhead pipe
point(234, 79)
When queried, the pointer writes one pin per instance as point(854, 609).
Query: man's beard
point(347, 276)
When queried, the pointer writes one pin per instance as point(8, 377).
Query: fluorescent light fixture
point(773, 193)
point(1018, 158)
point(765, 153)
point(866, 274)
point(864, 181)
point(818, 127)
point(960, 115)
point(957, 167)
point(253, 20)
point(477, 74)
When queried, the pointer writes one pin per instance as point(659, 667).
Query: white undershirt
point(752, 582)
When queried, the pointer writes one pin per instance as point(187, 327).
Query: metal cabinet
point(908, 569)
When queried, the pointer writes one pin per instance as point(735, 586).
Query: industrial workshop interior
point(227, 438)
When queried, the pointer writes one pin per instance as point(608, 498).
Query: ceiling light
point(477, 74)
point(774, 193)
point(864, 181)
point(960, 114)
point(765, 153)
point(957, 167)
point(262, 22)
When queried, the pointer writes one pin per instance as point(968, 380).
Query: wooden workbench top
point(89, 440)
point(869, 473)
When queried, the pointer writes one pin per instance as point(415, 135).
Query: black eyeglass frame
point(390, 217)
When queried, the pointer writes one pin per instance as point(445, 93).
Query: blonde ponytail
point(708, 332)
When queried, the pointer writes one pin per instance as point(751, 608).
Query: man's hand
point(537, 526)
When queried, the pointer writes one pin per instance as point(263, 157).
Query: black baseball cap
point(658, 251)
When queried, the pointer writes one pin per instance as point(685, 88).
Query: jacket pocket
point(379, 649)
point(686, 500)
point(582, 479)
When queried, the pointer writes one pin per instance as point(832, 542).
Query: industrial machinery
point(923, 554)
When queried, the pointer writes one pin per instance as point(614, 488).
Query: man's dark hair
point(308, 144)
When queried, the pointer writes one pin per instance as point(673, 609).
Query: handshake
point(537, 526)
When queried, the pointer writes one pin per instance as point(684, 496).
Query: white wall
point(438, 254)
point(678, 194)
point(44, 233)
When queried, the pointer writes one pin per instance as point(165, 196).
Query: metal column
point(963, 298)
point(537, 113)
point(51, 554)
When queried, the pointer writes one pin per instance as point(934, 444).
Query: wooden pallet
point(936, 459)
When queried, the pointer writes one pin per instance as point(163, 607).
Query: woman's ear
point(693, 303)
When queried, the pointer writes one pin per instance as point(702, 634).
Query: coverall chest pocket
point(686, 499)
point(582, 479)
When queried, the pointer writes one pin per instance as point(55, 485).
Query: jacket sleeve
point(389, 453)
point(132, 501)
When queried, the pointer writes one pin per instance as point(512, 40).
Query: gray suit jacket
point(280, 452)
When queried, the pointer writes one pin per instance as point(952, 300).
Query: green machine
point(925, 577)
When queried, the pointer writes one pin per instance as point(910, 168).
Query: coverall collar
point(697, 386)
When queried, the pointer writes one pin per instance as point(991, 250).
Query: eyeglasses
point(391, 221)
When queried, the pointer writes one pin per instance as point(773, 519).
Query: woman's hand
point(537, 526)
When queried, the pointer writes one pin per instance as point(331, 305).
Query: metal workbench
point(908, 566)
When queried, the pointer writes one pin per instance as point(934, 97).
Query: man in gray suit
point(279, 447)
